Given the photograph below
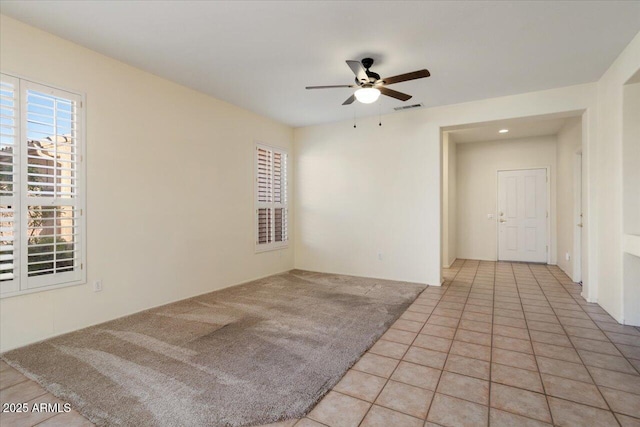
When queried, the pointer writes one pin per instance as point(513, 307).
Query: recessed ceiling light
point(503, 131)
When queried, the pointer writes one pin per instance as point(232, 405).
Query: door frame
point(578, 217)
point(497, 216)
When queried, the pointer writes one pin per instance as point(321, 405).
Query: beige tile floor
point(501, 344)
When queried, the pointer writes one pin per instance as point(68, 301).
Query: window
point(41, 187)
point(271, 198)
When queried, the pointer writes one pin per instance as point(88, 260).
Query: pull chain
point(354, 115)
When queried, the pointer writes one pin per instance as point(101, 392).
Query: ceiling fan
point(371, 85)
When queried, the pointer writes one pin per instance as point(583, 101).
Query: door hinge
point(547, 214)
point(81, 266)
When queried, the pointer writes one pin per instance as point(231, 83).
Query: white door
point(522, 215)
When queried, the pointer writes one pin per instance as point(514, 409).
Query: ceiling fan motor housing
point(367, 63)
point(373, 77)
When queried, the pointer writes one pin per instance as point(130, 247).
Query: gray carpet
point(252, 354)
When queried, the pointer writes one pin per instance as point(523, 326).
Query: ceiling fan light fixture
point(371, 86)
point(367, 95)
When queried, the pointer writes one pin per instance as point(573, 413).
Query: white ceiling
point(518, 128)
point(260, 55)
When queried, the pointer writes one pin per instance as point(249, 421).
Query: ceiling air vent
point(408, 107)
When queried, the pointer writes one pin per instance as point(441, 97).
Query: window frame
point(22, 285)
point(272, 246)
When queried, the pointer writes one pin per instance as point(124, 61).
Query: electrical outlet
point(97, 286)
point(567, 256)
point(379, 256)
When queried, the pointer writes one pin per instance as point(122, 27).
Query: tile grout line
point(469, 294)
point(435, 391)
point(573, 346)
point(400, 361)
point(373, 403)
point(491, 358)
point(560, 398)
point(608, 339)
point(15, 384)
point(452, 339)
point(535, 357)
point(637, 369)
point(454, 334)
point(493, 314)
point(540, 289)
point(596, 352)
point(510, 265)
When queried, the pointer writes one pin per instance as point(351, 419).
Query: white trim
point(49, 85)
point(589, 244)
point(13, 285)
point(631, 244)
point(577, 215)
point(449, 265)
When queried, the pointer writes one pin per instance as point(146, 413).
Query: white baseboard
point(450, 264)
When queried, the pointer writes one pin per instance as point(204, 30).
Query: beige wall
point(631, 158)
point(631, 202)
point(569, 143)
point(358, 196)
point(608, 164)
point(360, 190)
point(478, 166)
point(170, 189)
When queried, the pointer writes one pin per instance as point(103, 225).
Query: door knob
point(580, 225)
point(503, 220)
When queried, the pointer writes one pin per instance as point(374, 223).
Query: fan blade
point(394, 93)
point(328, 87)
point(349, 100)
point(358, 70)
point(420, 74)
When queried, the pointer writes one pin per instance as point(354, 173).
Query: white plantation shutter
point(264, 179)
point(52, 204)
point(43, 217)
point(264, 175)
point(271, 198)
point(280, 196)
point(9, 174)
